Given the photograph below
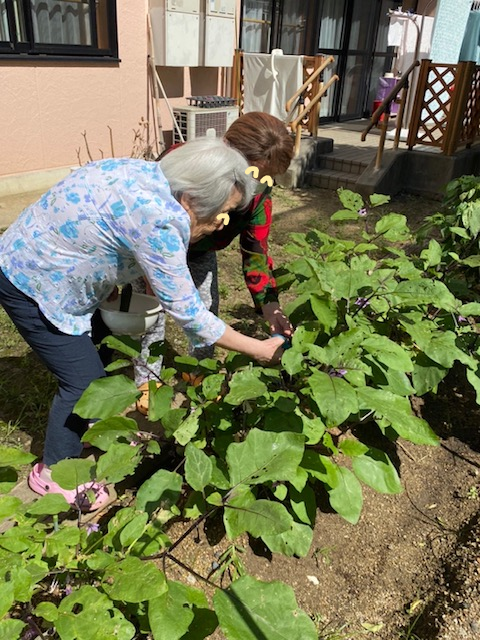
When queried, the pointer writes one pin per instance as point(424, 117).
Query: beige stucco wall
point(46, 106)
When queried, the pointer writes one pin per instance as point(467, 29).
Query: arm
point(258, 266)
point(167, 271)
point(264, 351)
point(277, 321)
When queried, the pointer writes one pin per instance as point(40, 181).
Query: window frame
point(30, 49)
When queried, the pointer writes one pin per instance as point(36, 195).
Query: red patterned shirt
point(253, 227)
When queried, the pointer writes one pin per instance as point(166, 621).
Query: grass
point(12, 342)
point(26, 388)
point(329, 631)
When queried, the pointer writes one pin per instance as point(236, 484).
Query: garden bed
point(410, 568)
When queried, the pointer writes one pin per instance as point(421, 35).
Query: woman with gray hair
point(105, 225)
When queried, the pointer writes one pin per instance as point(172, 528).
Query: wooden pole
point(158, 129)
point(455, 117)
point(314, 115)
point(414, 123)
point(381, 144)
point(237, 78)
point(400, 114)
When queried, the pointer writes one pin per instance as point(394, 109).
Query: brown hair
point(264, 141)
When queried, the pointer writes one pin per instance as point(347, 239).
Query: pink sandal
point(40, 482)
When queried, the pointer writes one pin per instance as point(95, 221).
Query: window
point(273, 24)
point(294, 26)
point(59, 27)
point(257, 25)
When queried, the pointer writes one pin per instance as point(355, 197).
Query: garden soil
point(410, 568)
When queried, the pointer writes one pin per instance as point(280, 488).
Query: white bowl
point(143, 313)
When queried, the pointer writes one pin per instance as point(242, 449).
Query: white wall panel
point(219, 41)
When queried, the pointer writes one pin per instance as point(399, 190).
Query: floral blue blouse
point(107, 223)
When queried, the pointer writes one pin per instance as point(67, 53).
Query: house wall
point(46, 106)
point(450, 23)
point(181, 82)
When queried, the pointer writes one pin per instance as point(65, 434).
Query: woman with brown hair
point(267, 145)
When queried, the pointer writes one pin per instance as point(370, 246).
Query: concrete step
point(323, 146)
point(331, 179)
point(333, 162)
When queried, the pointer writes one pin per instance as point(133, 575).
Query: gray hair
point(205, 171)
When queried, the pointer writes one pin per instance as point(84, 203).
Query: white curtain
point(332, 25)
point(293, 26)
point(326, 103)
point(61, 22)
point(255, 35)
point(331, 29)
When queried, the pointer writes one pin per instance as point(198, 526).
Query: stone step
point(331, 179)
point(333, 162)
point(323, 146)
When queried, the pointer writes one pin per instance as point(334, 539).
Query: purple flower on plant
point(362, 212)
point(461, 319)
point(337, 373)
point(133, 443)
point(68, 590)
point(362, 302)
point(92, 527)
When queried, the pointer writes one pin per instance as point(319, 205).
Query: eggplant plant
point(376, 325)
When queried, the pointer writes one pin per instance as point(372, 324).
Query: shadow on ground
point(26, 391)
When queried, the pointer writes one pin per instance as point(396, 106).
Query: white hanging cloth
point(395, 31)
point(411, 33)
point(270, 80)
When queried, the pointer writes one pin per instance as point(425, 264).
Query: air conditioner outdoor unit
point(196, 122)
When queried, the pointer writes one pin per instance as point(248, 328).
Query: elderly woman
point(104, 225)
point(266, 143)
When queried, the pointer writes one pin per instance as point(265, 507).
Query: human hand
point(148, 289)
point(270, 351)
point(114, 295)
point(277, 320)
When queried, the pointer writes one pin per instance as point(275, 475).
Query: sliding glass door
point(293, 25)
point(275, 24)
point(257, 20)
point(354, 32)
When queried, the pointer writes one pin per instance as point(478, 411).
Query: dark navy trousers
point(73, 360)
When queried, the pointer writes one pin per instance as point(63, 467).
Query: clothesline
point(404, 15)
point(411, 34)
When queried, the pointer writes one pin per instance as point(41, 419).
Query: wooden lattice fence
point(446, 110)
point(471, 123)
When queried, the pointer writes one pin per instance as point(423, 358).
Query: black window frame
point(13, 48)
point(308, 46)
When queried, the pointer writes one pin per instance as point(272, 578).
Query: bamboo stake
point(152, 72)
